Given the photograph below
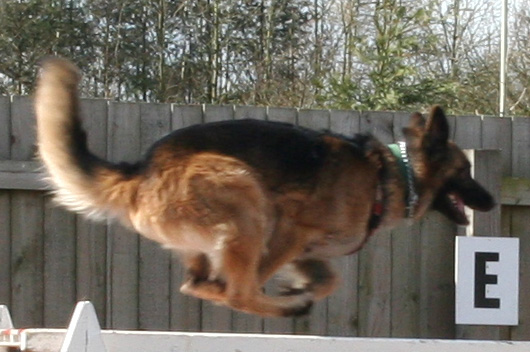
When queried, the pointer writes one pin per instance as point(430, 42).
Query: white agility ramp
point(84, 335)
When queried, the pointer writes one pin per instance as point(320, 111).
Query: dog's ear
point(416, 126)
point(437, 130)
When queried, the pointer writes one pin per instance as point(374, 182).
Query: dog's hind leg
point(199, 282)
point(287, 244)
point(241, 259)
point(236, 261)
point(309, 275)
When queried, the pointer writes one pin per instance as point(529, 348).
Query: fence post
point(487, 169)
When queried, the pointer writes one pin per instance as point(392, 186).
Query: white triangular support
point(83, 333)
point(5, 318)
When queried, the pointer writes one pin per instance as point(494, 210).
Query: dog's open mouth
point(458, 208)
point(457, 203)
point(452, 206)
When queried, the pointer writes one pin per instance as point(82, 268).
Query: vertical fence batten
point(400, 285)
point(123, 145)
point(216, 318)
point(5, 205)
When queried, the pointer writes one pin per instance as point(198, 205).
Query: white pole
point(504, 47)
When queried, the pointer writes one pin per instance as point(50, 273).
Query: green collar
point(399, 150)
point(396, 151)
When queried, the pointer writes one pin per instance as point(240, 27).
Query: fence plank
point(374, 286)
point(5, 132)
point(283, 325)
point(345, 122)
point(486, 169)
point(437, 306)
point(343, 309)
point(214, 113)
point(401, 120)
point(216, 318)
point(497, 134)
point(314, 119)
point(406, 271)
point(468, 132)
point(519, 223)
point(316, 322)
point(519, 228)
point(59, 264)
point(91, 240)
point(186, 311)
point(26, 225)
point(520, 147)
point(5, 248)
point(452, 126)
point(22, 129)
point(380, 124)
point(242, 322)
point(287, 115)
point(5, 205)
point(27, 259)
point(250, 112)
point(374, 258)
point(186, 115)
point(123, 145)
point(154, 265)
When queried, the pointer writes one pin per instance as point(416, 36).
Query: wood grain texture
point(379, 124)
point(497, 134)
point(519, 228)
point(185, 311)
point(123, 145)
point(343, 304)
point(406, 286)
point(216, 318)
point(59, 264)
point(27, 259)
point(154, 261)
point(22, 129)
point(5, 131)
point(468, 132)
point(375, 286)
point(437, 305)
point(520, 147)
point(345, 122)
point(91, 236)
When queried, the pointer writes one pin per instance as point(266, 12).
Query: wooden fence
point(400, 285)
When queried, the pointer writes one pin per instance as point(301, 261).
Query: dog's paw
point(291, 291)
point(210, 290)
point(300, 310)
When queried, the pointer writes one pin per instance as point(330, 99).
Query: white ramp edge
point(5, 318)
point(83, 333)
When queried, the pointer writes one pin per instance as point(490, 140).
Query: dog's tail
point(82, 182)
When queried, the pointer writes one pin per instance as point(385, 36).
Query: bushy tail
point(82, 182)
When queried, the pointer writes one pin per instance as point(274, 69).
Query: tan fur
point(233, 229)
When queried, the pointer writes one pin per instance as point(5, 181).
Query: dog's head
point(443, 171)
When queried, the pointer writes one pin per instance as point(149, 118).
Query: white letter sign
point(487, 280)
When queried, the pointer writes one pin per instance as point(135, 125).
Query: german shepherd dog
point(243, 200)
